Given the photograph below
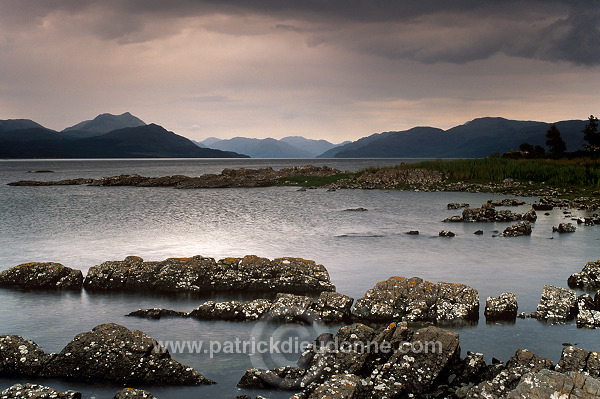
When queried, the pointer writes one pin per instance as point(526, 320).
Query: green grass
point(559, 173)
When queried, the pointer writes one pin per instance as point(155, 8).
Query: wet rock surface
point(588, 278)
point(200, 274)
point(330, 307)
point(503, 308)
point(133, 393)
point(416, 300)
point(446, 233)
point(37, 391)
point(517, 230)
point(41, 276)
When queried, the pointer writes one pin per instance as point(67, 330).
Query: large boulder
point(503, 307)
point(415, 300)
point(200, 274)
point(587, 278)
point(557, 304)
point(41, 276)
point(546, 384)
point(111, 352)
point(35, 391)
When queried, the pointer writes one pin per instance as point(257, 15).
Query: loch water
point(81, 226)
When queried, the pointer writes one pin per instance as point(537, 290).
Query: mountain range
point(126, 136)
point(287, 147)
point(106, 136)
point(477, 138)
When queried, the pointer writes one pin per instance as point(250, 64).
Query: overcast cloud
point(323, 69)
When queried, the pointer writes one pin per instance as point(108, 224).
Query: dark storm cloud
point(428, 31)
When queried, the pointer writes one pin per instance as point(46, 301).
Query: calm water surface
point(82, 226)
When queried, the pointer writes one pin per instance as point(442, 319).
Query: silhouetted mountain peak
point(18, 124)
point(105, 123)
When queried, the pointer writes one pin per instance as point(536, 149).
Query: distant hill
point(260, 148)
point(102, 124)
point(287, 147)
point(18, 124)
point(147, 141)
point(477, 138)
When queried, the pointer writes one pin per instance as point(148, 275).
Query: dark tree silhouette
point(591, 134)
point(554, 141)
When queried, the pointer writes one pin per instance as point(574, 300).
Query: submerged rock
point(330, 307)
point(588, 278)
point(446, 233)
point(519, 229)
point(457, 205)
point(200, 274)
point(110, 352)
point(37, 392)
point(557, 304)
point(564, 228)
point(503, 307)
point(133, 393)
point(414, 299)
point(41, 276)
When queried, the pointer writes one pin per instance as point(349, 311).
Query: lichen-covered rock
point(414, 299)
point(41, 276)
point(564, 228)
point(110, 352)
point(580, 360)
point(518, 229)
point(588, 277)
point(35, 391)
point(588, 319)
point(232, 311)
point(333, 307)
point(339, 386)
point(411, 371)
point(133, 393)
point(286, 378)
point(546, 384)
point(521, 363)
point(200, 274)
point(503, 307)
point(557, 304)
point(21, 357)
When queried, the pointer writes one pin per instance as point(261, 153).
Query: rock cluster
point(518, 229)
point(501, 308)
point(200, 274)
point(587, 278)
point(446, 233)
point(397, 365)
point(133, 393)
point(41, 276)
point(416, 300)
point(109, 352)
point(387, 178)
point(488, 213)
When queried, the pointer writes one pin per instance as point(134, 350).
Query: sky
point(331, 69)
